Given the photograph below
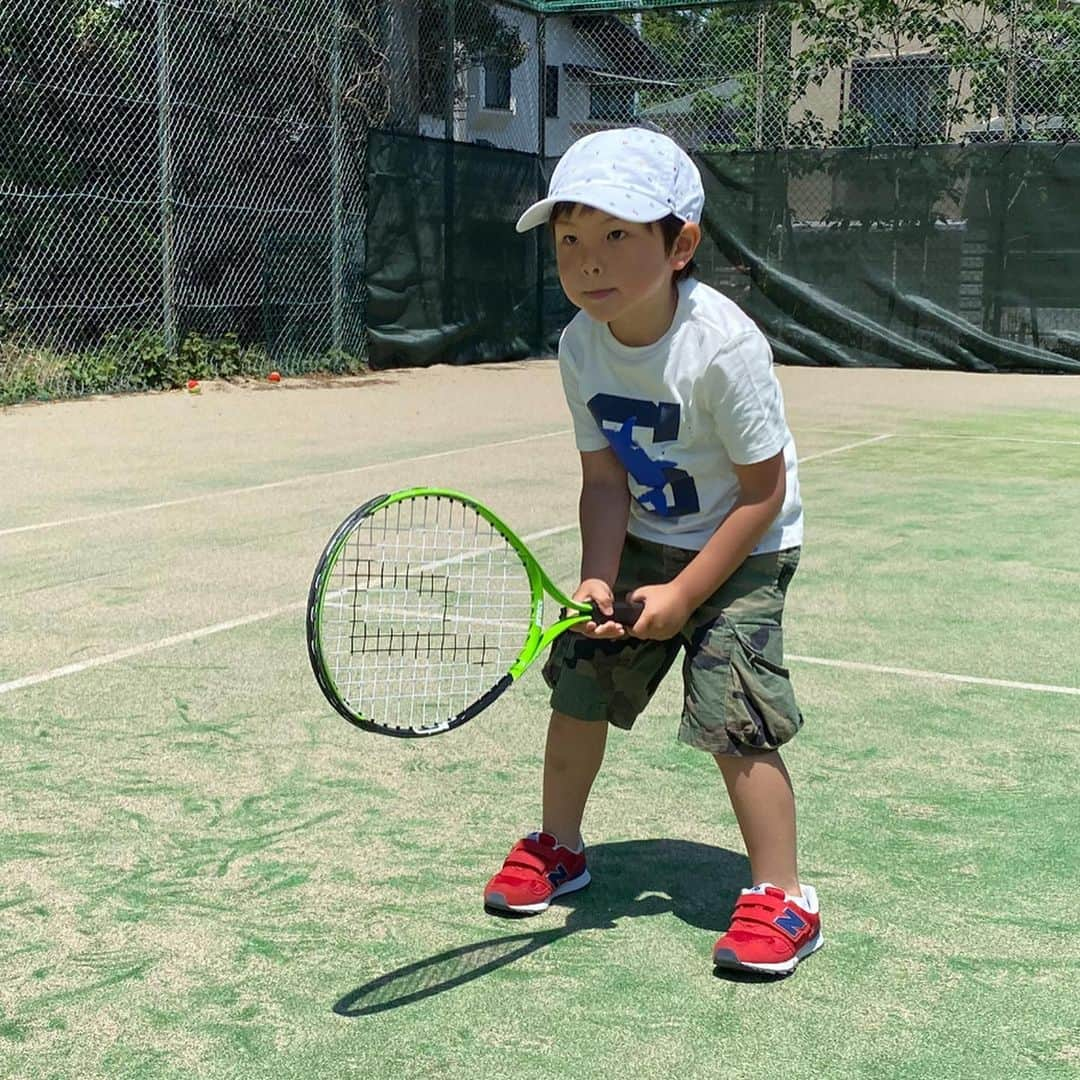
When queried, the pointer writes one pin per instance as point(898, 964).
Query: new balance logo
point(791, 922)
point(558, 875)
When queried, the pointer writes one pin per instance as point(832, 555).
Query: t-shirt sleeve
point(746, 400)
point(587, 435)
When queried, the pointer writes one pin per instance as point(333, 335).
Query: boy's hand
point(665, 614)
point(595, 591)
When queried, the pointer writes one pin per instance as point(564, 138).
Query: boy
point(690, 505)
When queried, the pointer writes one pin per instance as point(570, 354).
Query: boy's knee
point(568, 737)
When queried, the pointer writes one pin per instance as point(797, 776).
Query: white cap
point(630, 173)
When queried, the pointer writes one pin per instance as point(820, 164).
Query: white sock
point(558, 843)
point(801, 899)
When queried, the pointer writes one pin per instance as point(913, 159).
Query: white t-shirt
point(678, 413)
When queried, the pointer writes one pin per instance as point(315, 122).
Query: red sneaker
point(769, 932)
point(537, 870)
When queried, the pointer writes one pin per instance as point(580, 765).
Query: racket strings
point(427, 608)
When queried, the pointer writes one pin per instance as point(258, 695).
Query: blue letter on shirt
point(659, 477)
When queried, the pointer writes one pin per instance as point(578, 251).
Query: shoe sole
point(498, 901)
point(726, 959)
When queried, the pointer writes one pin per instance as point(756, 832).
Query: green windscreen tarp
point(932, 257)
point(949, 257)
point(449, 281)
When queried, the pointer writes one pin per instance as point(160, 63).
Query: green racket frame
point(537, 637)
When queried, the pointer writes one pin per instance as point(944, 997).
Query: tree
point(1016, 58)
point(480, 33)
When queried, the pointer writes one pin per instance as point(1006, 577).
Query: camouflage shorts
point(737, 696)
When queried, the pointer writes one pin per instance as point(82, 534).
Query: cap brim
point(537, 214)
point(609, 200)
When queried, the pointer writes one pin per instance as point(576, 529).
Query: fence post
point(165, 180)
point(759, 96)
point(337, 237)
point(541, 154)
point(1010, 76)
point(450, 72)
point(449, 163)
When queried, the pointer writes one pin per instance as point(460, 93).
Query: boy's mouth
point(598, 294)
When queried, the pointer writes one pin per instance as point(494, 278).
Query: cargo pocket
point(762, 713)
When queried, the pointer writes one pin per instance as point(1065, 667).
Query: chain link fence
point(182, 185)
point(737, 75)
point(181, 189)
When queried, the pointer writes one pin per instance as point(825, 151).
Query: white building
point(595, 66)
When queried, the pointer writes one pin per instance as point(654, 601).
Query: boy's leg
point(572, 758)
point(740, 706)
point(776, 923)
point(550, 863)
point(761, 796)
point(609, 683)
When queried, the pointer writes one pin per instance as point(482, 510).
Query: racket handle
point(625, 612)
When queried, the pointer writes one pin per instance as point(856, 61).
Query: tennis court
point(205, 872)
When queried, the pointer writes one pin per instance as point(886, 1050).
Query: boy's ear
point(686, 243)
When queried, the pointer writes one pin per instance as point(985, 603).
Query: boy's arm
point(762, 487)
point(604, 511)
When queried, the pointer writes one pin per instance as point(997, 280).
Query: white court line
point(939, 435)
point(486, 446)
point(271, 613)
point(990, 438)
point(937, 676)
point(272, 484)
point(324, 475)
point(285, 609)
point(150, 646)
point(848, 446)
point(201, 632)
point(425, 616)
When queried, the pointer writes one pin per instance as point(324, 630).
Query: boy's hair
point(670, 227)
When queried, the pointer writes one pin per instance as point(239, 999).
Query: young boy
point(689, 505)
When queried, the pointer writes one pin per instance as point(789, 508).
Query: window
point(902, 99)
point(611, 101)
point(551, 91)
point(496, 83)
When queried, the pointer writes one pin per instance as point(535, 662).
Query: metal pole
point(759, 102)
point(541, 154)
point(165, 181)
point(541, 76)
point(450, 73)
point(1010, 76)
point(449, 281)
point(337, 231)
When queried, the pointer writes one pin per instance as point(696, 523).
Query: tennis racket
point(424, 608)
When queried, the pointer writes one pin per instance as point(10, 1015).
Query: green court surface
point(205, 872)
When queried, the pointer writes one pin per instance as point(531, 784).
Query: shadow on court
point(694, 882)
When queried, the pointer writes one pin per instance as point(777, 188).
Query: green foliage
point(341, 362)
point(136, 360)
point(960, 54)
point(19, 383)
point(975, 41)
point(100, 28)
point(479, 34)
point(713, 54)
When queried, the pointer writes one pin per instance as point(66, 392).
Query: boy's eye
point(568, 239)
point(616, 234)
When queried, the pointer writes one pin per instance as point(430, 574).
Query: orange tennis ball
point(274, 376)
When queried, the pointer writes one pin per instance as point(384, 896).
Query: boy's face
point(611, 268)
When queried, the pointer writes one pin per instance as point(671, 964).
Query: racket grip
point(625, 612)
